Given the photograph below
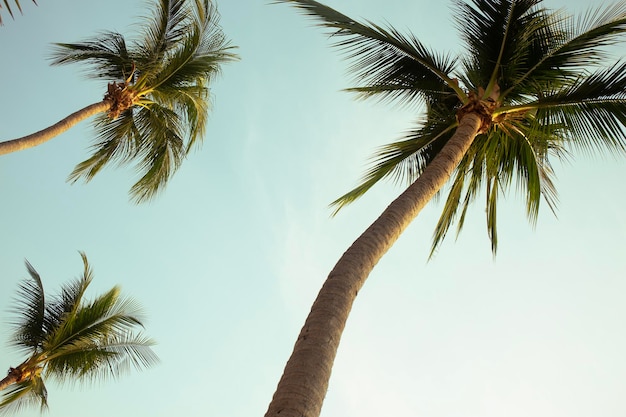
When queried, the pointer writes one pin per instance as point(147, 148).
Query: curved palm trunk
point(301, 389)
point(17, 375)
point(8, 380)
point(56, 129)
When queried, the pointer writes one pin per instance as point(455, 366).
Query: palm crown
point(535, 69)
point(161, 100)
point(70, 338)
point(529, 88)
point(157, 101)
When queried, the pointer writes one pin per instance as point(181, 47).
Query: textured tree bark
point(56, 129)
point(303, 385)
point(8, 380)
point(15, 375)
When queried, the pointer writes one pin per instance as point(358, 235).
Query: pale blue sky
point(228, 260)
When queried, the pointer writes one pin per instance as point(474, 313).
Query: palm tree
point(530, 86)
point(8, 6)
point(71, 339)
point(156, 105)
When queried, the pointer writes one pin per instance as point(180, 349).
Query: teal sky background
point(228, 260)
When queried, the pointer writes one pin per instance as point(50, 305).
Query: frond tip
point(9, 10)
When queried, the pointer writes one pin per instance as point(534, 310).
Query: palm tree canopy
point(159, 89)
point(70, 338)
point(9, 10)
point(544, 72)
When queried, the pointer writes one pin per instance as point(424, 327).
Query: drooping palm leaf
point(592, 108)
point(403, 161)
point(509, 127)
point(383, 56)
point(25, 395)
point(86, 361)
point(532, 58)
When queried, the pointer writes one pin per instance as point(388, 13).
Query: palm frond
point(8, 7)
point(193, 54)
point(90, 322)
point(118, 143)
point(192, 103)
point(498, 34)
point(66, 304)
point(25, 395)
point(516, 152)
point(96, 360)
point(566, 45)
point(164, 28)
point(162, 150)
point(30, 306)
point(196, 57)
point(95, 338)
point(106, 315)
point(9, 10)
point(590, 35)
point(549, 99)
point(403, 160)
point(593, 109)
point(106, 56)
point(383, 56)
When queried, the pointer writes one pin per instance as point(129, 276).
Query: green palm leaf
point(498, 35)
point(164, 73)
point(572, 45)
point(30, 308)
point(534, 60)
point(182, 52)
point(164, 28)
point(105, 57)
point(593, 110)
point(86, 361)
point(77, 340)
point(403, 161)
point(25, 395)
point(526, 90)
point(9, 10)
point(382, 57)
point(162, 151)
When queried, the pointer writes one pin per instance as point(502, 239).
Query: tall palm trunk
point(302, 388)
point(56, 129)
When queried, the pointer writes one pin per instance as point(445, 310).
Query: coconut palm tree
point(70, 338)
point(156, 105)
point(8, 7)
point(533, 84)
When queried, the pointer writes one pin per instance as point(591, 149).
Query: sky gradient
point(228, 260)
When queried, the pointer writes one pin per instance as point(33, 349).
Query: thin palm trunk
point(302, 388)
point(10, 379)
point(56, 129)
point(16, 375)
